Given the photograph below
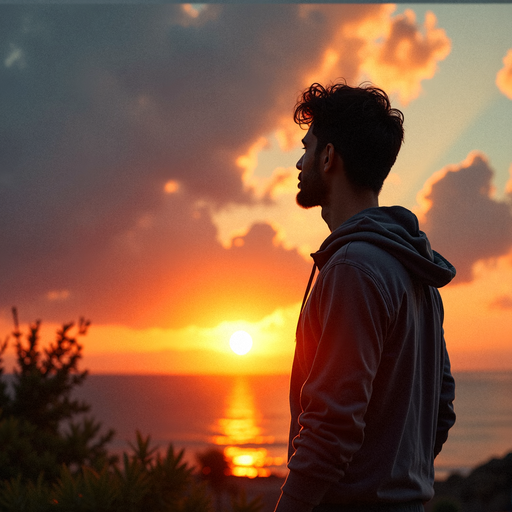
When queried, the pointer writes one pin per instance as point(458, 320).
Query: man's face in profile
point(313, 188)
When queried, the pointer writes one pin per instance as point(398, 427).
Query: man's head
point(361, 125)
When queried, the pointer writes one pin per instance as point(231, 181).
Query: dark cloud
point(102, 106)
point(464, 221)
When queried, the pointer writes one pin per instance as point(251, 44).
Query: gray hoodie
point(371, 390)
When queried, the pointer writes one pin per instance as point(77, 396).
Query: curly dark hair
point(361, 125)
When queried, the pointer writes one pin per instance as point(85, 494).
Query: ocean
point(247, 417)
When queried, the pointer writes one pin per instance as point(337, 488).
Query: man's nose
point(299, 163)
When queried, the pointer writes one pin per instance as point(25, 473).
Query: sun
point(240, 342)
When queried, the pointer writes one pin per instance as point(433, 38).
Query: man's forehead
point(310, 136)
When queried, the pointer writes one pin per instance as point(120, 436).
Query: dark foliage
point(41, 426)
point(488, 488)
point(214, 469)
point(144, 481)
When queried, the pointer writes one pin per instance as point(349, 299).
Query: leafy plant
point(146, 481)
point(241, 504)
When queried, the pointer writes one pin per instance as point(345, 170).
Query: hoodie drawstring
point(310, 282)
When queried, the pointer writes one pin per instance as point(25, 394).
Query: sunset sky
point(148, 180)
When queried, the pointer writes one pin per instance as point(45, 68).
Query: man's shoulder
point(363, 253)
point(372, 260)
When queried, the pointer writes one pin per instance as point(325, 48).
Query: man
point(371, 390)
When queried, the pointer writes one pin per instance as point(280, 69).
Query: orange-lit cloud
point(504, 76)
point(171, 271)
point(407, 55)
point(464, 220)
point(58, 295)
point(171, 186)
point(503, 302)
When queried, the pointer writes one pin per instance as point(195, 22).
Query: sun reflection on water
point(241, 434)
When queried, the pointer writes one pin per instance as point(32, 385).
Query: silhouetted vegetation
point(214, 470)
point(41, 426)
point(488, 488)
point(53, 457)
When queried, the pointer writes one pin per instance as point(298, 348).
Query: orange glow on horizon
point(482, 344)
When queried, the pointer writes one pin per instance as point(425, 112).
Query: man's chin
point(305, 202)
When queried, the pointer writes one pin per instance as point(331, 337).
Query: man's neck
point(335, 213)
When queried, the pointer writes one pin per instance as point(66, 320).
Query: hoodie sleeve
point(353, 315)
point(446, 415)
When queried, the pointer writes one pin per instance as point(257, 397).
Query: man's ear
point(328, 157)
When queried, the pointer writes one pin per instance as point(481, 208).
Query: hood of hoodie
point(395, 230)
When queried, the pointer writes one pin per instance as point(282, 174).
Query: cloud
point(463, 219)
point(122, 131)
point(504, 76)
point(503, 302)
point(407, 55)
point(169, 270)
point(281, 180)
point(14, 57)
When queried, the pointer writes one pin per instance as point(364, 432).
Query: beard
point(313, 188)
